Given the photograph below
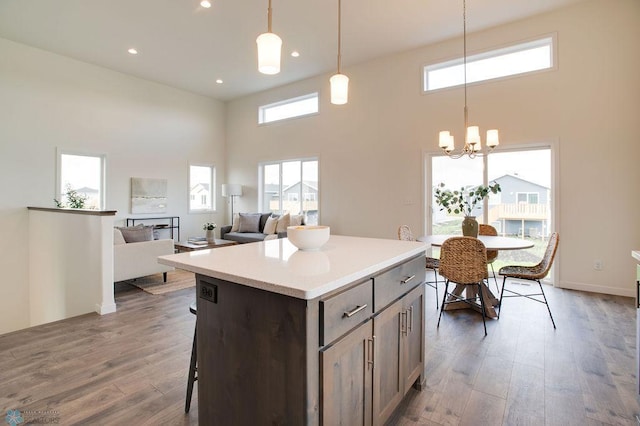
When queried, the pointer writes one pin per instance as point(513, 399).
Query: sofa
point(135, 253)
point(254, 227)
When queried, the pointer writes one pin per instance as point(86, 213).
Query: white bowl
point(308, 238)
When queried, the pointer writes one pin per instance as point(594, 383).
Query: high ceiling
point(184, 45)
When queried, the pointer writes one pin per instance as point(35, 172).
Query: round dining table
point(490, 242)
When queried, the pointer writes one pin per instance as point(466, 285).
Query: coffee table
point(183, 246)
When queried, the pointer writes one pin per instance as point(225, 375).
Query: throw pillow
point(283, 222)
point(117, 237)
point(138, 233)
point(296, 220)
point(270, 226)
point(249, 222)
point(236, 219)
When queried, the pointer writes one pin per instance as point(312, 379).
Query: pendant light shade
point(269, 46)
point(339, 82)
point(339, 89)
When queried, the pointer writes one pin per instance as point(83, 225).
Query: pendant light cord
point(269, 17)
point(464, 43)
point(339, 34)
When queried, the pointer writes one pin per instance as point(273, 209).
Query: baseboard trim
point(105, 309)
point(626, 292)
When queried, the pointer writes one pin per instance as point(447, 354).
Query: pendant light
point(472, 146)
point(339, 82)
point(269, 45)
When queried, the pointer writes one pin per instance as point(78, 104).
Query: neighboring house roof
point(311, 184)
point(87, 190)
point(513, 176)
point(200, 187)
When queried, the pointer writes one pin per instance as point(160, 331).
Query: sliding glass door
point(523, 209)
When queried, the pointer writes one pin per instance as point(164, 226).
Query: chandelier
point(472, 144)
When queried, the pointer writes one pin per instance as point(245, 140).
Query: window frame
point(103, 175)
point(520, 46)
point(282, 187)
point(213, 191)
point(263, 109)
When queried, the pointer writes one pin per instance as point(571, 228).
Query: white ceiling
point(184, 45)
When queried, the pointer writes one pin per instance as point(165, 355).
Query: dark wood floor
point(131, 367)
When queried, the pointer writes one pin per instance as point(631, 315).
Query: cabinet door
point(413, 339)
point(388, 327)
point(347, 371)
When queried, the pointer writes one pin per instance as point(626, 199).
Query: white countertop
point(278, 266)
point(636, 255)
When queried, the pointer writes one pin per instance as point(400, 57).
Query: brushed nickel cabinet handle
point(410, 319)
point(372, 357)
point(406, 280)
point(355, 311)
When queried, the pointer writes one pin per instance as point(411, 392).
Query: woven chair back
point(489, 230)
point(549, 255)
point(463, 260)
point(405, 234)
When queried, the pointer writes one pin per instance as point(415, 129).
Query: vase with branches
point(464, 201)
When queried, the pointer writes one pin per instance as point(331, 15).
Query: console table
point(169, 223)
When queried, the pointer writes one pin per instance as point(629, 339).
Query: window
point(524, 207)
point(201, 187)
point(527, 197)
point(513, 60)
point(283, 183)
point(289, 108)
point(82, 174)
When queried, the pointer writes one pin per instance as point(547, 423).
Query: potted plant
point(464, 202)
point(209, 227)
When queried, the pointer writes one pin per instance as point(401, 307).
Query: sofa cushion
point(245, 237)
point(296, 220)
point(138, 233)
point(263, 221)
point(117, 237)
point(249, 222)
point(283, 222)
point(236, 221)
point(270, 225)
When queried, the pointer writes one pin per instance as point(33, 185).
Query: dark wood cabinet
point(339, 359)
point(347, 373)
point(399, 335)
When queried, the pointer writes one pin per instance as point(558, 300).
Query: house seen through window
point(290, 186)
point(81, 176)
point(201, 188)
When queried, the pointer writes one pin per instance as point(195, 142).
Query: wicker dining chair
point(492, 255)
point(531, 273)
point(463, 260)
point(405, 234)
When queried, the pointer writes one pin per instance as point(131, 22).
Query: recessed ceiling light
point(133, 51)
point(295, 53)
point(219, 81)
point(205, 3)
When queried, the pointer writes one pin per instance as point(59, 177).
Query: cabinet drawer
point(344, 311)
point(392, 284)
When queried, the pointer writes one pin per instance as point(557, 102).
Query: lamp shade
point(492, 138)
point(231, 189)
point(339, 89)
point(269, 46)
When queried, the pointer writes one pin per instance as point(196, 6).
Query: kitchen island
point(334, 336)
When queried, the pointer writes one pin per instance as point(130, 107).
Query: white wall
point(371, 149)
point(145, 129)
